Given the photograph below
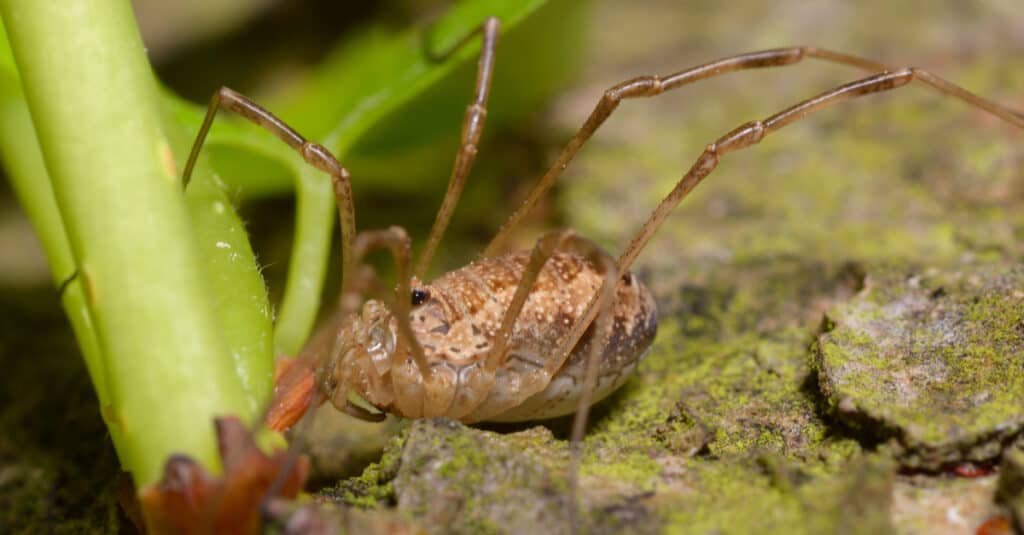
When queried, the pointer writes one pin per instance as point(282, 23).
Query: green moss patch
point(466, 480)
point(932, 360)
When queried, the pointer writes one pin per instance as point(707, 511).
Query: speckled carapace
point(456, 320)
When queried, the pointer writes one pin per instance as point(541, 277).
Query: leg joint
point(741, 137)
point(643, 86)
point(473, 124)
point(318, 156)
point(226, 92)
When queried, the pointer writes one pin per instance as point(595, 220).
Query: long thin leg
point(294, 378)
point(297, 389)
point(647, 86)
point(364, 282)
point(296, 393)
point(314, 154)
point(753, 132)
point(299, 382)
point(304, 381)
point(472, 127)
point(396, 240)
point(599, 304)
point(542, 251)
point(559, 240)
point(602, 302)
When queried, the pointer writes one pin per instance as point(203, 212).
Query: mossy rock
point(730, 375)
point(460, 479)
point(451, 478)
point(931, 361)
point(445, 477)
point(751, 400)
point(770, 494)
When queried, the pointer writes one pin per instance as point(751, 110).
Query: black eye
point(419, 296)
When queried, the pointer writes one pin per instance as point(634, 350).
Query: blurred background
point(550, 74)
point(266, 48)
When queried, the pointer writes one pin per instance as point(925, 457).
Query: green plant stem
point(95, 107)
point(27, 174)
point(314, 221)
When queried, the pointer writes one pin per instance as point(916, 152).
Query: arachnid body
point(456, 319)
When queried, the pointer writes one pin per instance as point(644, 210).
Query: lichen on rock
point(932, 361)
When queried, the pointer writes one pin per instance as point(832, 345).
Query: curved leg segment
point(598, 311)
point(753, 132)
point(303, 382)
point(601, 303)
point(313, 153)
point(647, 86)
point(560, 240)
point(472, 127)
point(295, 390)
point(542, 251)
point(397, 241)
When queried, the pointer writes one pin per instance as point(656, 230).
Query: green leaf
point(379, 70)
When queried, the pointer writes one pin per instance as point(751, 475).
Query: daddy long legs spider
point(518, 335)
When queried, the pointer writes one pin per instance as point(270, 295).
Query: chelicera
point(517, 335)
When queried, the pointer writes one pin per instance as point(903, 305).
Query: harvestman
point(509, 337)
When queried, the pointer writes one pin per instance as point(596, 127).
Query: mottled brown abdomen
point(458, 321)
